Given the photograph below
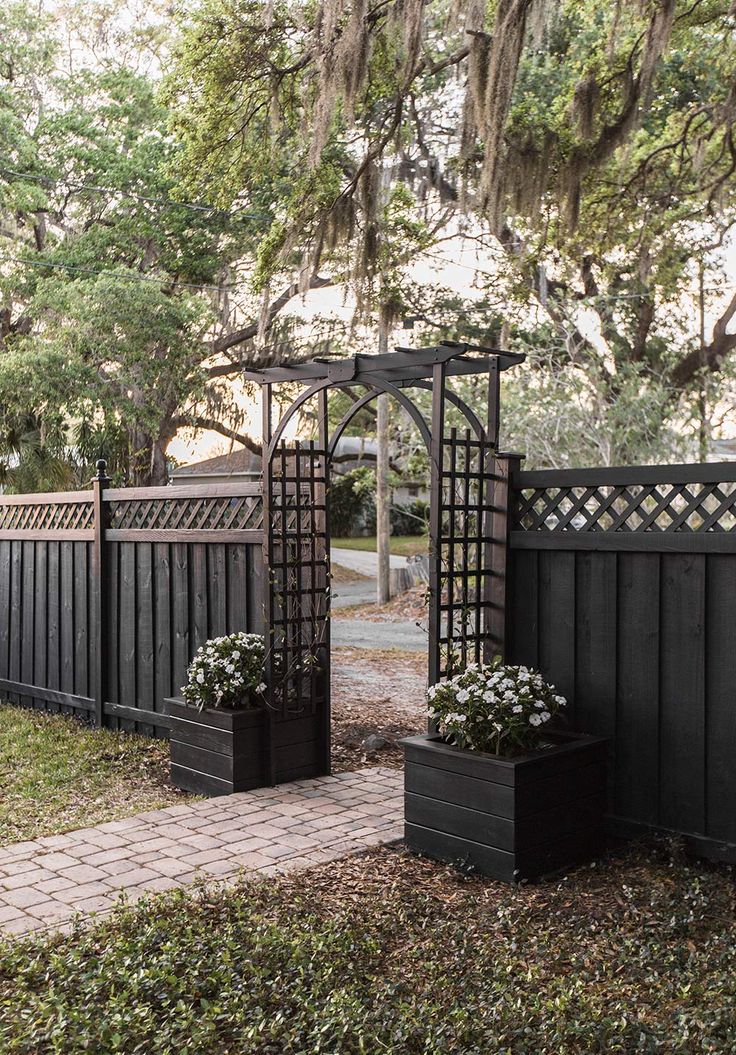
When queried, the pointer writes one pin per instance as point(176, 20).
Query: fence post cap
point(101, 469)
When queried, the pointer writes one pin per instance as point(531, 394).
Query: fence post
point(99, 483)
point(505, 467)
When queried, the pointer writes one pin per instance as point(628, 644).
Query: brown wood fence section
point(140, 576)
point(624, 594)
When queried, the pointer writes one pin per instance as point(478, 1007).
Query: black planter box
point(509, 818)
point(219, 752)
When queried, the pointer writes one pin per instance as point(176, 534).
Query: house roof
point(351, 451)
point(235, 463)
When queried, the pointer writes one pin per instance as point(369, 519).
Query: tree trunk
point(383, 494)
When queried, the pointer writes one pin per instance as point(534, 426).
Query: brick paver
point(46, 882)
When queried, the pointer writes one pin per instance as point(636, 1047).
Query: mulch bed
point(375, 693)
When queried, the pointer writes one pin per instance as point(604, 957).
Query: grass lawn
point(401, 545)
point(57, 774)
point(389, 955)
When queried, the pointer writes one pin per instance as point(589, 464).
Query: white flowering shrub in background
point(494, 708)
point(227, 672)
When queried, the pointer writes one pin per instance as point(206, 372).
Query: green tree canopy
point(592, 141)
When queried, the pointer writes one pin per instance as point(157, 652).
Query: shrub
point(351, 501)
point(412, 519)
point(495, 708)
point(227, 672)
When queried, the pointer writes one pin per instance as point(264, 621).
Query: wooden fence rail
point(624, 594)
point(105, 594)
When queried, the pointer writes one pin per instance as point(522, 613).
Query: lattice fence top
point(47, 516)
point(222, 512)
point(650, 507)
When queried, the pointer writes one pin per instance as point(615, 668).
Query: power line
point(192, 206)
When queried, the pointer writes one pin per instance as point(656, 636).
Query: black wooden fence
point(140, 577)
point(624, 594)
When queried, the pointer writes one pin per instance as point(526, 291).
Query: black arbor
point(468, 529)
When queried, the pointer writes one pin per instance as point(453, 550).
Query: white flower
point(463, 696)
point(200, 677)
point(261, 687)
point(517, 709)
point(534, 719)
point(545, 716)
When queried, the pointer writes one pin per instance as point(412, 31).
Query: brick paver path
point(44, 883)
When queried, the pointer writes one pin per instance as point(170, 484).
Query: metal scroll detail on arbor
point(468, 525)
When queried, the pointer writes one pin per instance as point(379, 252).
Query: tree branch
point(213, 425)
point(712, 356)
point(247, 333)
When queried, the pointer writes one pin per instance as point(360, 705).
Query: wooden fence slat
point(595, 659)
point(556, 608)
point(180, 615)
point(163, 630)
point(144, 656)
point(238, 593)
point(28, 601)
point(40, 627)
point(112, 632)
point(198, 597)
point(525, 610)
point(16, 587)
point(82, 685)
point(720, 626)
point(682, 694)
point(5, 547)
point(636, 775)
point(53, 650)
point(66, 558)
point(217, 590)
point(127, 630)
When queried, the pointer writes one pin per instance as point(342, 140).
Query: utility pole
point(383, 496)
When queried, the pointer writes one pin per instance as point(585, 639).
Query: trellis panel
point(468, 576)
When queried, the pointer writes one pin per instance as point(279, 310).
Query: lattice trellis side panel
point(655, 507)
point(216, 512)
point(47, 516)
point(468, 592)
point(298, 581)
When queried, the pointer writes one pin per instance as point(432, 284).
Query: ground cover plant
point(57, 774)
point(391, 954)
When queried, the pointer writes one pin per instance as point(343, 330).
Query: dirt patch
point(408, 607)
point(340, 574)
point(375, 693)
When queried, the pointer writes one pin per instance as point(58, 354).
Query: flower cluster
point(227, 672)
point(495, 708)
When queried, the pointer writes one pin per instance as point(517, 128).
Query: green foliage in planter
point(496, 708)
point(227, 672)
